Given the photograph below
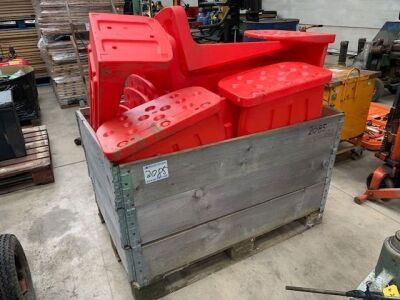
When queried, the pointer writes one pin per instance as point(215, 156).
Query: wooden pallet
point(11, 10)
point(194, 272)
point(33, 169)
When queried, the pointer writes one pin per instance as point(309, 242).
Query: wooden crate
point(33, 169)
point(207, 199)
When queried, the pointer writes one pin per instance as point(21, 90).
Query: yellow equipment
point(350, 91)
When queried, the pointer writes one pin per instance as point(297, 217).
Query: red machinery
point(12, 59)
point(384, 182)
point(134, 60)
point(375, 127)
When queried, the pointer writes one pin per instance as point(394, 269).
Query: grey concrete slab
point(71, 257)
point(67, 246)
point(333, 255)
point(62, 129)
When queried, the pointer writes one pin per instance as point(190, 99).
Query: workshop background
point(184, 149)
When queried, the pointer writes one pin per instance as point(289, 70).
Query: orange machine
point(375, 128)
point(384, 182)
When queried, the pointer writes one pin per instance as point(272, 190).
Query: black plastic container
point(24, 92)
point(12, 142)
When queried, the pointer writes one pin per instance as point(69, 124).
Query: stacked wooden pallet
point(25, 42)
point(11, 10)
point(54, 19)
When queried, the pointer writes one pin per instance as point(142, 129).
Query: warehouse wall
point(348, 19)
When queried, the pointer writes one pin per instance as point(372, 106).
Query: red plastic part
point(276, 95)
point(119, 46)
point(138, 91)
point(162, 51)
point(309, 47)
point(291, 36)
point(14, 62)
point(180, 120)
point(375, 127)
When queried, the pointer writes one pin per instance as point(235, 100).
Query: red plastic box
point(180, 120)
point(276, 95)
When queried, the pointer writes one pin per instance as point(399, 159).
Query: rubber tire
point(12, 255)
point(378, 91)
point(393, 91)
point(78, 141)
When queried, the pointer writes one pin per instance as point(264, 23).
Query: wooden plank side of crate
point(205, 181)
point(100, 172)
point(194, 168)
point(191, 245)
point(264, 181)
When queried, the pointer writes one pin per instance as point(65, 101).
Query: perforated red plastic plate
point(292, 36)
point(149, 123)
point(129, 38)
point(267, 83)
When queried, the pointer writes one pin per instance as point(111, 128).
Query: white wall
point(166, 3)
point(348, 19)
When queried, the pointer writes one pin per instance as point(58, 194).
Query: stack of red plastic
point(135, 60)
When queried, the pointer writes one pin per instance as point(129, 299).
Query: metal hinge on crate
point(133, 228)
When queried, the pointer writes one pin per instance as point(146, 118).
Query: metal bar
point(344, 47)
point(76, 50)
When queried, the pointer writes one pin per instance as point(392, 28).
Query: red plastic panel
point(183, 119)
point(129, 39)
point(275, 96)
point(291, 36)
point(119, 46)
point(264, 84)
point(138, 91)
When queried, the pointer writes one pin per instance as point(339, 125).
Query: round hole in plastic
point(144, 117)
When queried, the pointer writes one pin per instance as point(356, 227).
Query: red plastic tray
point(276, 95)
point(180, 120)
point(291, 36)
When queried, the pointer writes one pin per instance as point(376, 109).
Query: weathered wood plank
point(36, 138)
point(26, 130)
point(197, 167)
point(35, 134)
point(191, 245)
point(264, 181)
point(37, 144)
point(21, 161)
point(38, 150)
point(24, 167)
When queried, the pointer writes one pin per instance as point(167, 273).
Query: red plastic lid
point(116, 35)
point(292, 36)
point(155, 120)
point(270, 82)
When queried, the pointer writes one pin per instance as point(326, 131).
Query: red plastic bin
point(176, 121)
point(276, 95)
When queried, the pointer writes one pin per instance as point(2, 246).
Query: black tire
point(392, 90)
point(357, 153)
point(15, 276)
point(387, 183)
point(378, 91)
point(78, 141)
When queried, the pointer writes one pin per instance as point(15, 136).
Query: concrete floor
point(71, 257)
